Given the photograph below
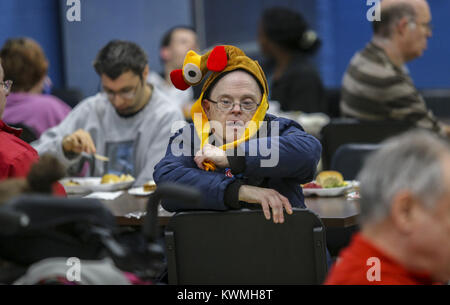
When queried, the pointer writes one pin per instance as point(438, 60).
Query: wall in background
point(72, 46)
point(40, 21)
point(236, 21)
point(141, 21)
point(345, 29)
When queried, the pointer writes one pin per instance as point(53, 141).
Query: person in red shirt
point(405, 216)
point(16, 156)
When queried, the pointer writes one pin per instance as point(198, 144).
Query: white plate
point(93, 184)
point(139, 191)
point(84, 187)
point(328, 192)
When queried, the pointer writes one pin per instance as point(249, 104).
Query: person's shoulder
point(161, 103)
point(13, 148)
point(91, 103)
point(49, 104)
point(53, 100)
point(283, 122)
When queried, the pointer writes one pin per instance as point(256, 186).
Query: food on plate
point(71, 183)
point(112, 178)
point(311, 185)
point(326, 179)
point(126, 177)
point(149, 186)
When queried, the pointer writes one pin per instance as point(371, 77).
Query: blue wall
point(38, 19)
point(345, 29)
point(141, 21)
point(226, 24)
point(72, 46)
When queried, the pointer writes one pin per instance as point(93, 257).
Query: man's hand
point(78, 142)
point(269, 199)
point(212, 154)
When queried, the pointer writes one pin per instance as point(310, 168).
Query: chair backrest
point(56, 227)
point(332, 98)
point(71, 96)
point(343, 131)
point(349, 158)
point(28, 133)
point(438, 101)
point(242, 247)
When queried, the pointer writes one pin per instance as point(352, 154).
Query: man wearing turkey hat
point(225, 149)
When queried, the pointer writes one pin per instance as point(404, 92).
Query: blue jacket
point(298, 155)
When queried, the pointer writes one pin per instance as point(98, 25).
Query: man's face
point(236, 87)
point(181, 42)
point(3, 93)
point(125, 92)
point(417, 32)
point(430, 237)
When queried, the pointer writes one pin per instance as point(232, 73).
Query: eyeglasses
point(126, 94)
point(227, 105)
point(6, 85)
point(427, 25)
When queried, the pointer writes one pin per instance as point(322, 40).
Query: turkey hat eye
point(192, 73)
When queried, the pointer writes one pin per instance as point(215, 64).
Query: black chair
point(438, 101)
point(35, 227)
point(242, 247)
point(332, 99)
point(345, 130)
point(28, 133)
point(349, 158)
point(71, 96)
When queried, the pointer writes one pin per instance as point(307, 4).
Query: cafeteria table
point(336, 212)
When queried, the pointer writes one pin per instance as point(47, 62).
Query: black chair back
point(349, 158)
point(242, 247)
point(53, 227)
point(438, 101)
point(344, 131)
point(28, 133)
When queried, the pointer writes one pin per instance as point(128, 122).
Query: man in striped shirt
point(376, 85)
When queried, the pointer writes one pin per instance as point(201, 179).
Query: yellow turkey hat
point(236, 60)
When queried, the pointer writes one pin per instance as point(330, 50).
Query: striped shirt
point(373, 88)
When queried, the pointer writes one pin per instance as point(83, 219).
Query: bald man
point(377, 85)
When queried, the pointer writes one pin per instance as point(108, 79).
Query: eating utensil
point(101, 158)
point(96, 156)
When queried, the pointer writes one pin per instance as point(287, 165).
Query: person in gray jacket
point(130, 121)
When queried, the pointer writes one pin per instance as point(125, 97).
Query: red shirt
point(358, 264)
point(16, 156)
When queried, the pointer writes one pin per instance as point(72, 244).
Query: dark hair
point(24, 63)
point(167, 37)
point(390, 15)
point(40, 179)
point(289, 30)
point(118, 57)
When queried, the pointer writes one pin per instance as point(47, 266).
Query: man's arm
point(220, 192)
point(51, 140)
point(289, 153)
point(180, 170)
